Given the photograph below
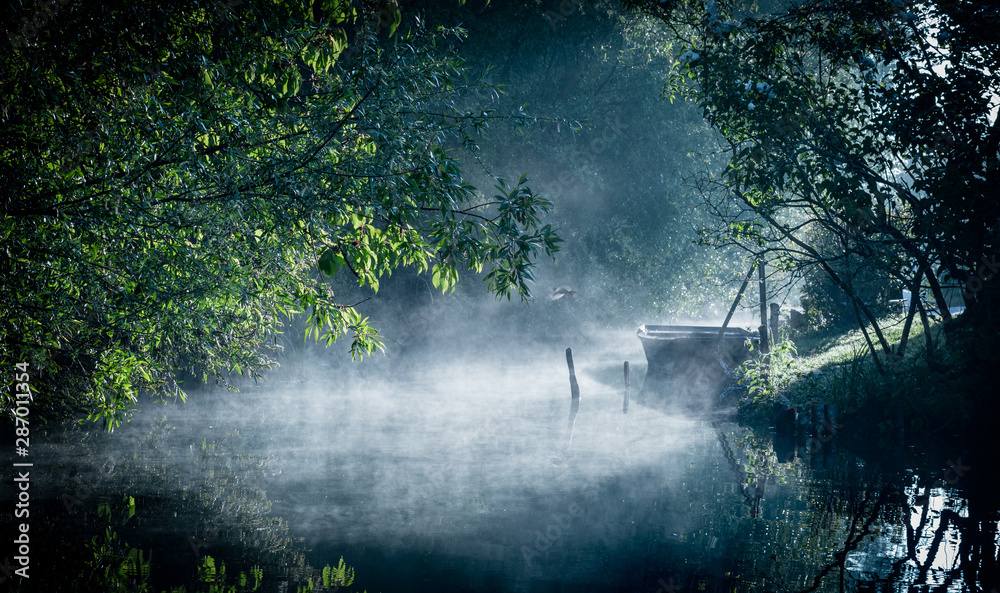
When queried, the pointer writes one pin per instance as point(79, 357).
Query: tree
point(178, 178)
point(868, 127)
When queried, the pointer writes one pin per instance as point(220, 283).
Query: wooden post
point(574, 388)
point(736, 303)
point(775, 319)
point(764, 342)
point(625, 405)
point(574, 392)
point(574, 409)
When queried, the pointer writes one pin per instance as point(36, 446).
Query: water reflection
point(151, 510)
point(471, 482)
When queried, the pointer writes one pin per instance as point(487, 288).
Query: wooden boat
point(690, 365)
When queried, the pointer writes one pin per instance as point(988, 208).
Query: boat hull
point(689, 366)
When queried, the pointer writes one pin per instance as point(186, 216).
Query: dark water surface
point(470, 478)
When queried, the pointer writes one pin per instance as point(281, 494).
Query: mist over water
point(449, 428)
point(456, 467)
point(462, 458)
point(471, 461)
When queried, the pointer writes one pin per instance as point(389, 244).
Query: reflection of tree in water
point(198, 517)
point(752, 478)
point(927, 534)
point(785, 540)
point(943, 540)
point(854, 527)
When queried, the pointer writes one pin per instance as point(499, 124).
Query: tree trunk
point(843, 285)
point(871, 347)
point(942, 304)
point(927, 330)
point(914, 294)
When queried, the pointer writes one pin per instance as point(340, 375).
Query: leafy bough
point(213, 201)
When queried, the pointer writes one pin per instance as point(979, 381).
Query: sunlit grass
point(838, 368)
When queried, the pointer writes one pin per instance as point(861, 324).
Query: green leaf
point(330, 261)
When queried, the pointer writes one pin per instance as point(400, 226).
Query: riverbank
point(929, 393)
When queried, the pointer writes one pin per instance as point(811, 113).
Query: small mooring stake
point(574, 409)
point(625, 405)
point(574, 391)
point(574, 388)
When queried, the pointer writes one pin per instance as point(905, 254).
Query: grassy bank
point(921, 395)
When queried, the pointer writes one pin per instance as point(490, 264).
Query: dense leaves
point(862, 137)
point(179, 181)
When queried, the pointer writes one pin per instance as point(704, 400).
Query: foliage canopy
point(862, 137)
point(179, 179)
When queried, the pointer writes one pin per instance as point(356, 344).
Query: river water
point(468, 475)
